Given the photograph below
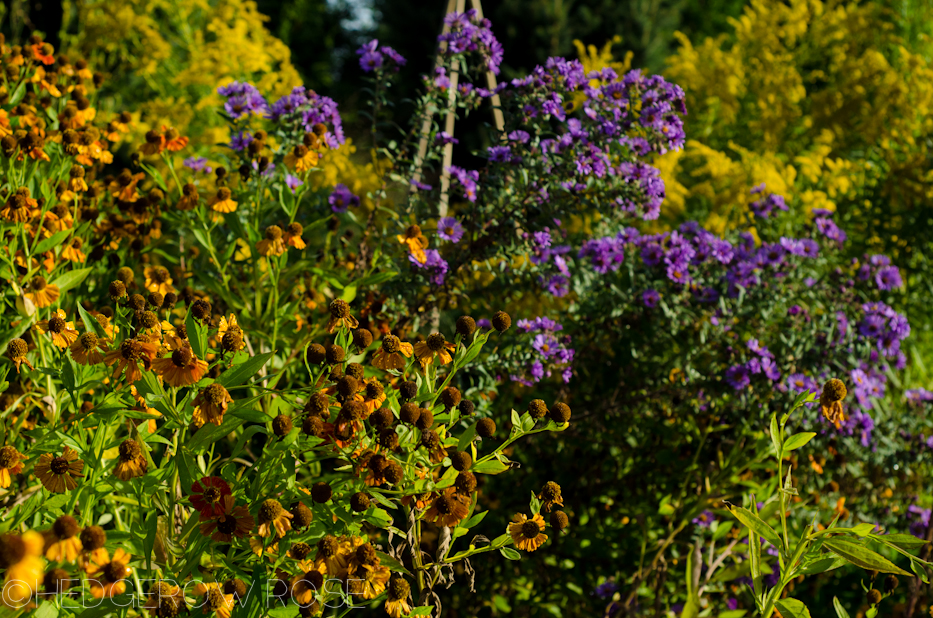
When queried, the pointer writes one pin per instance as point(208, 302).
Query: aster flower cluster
point(551, 354)
point(467, 33)
point(763, 206)
point(373, 57)
point(302, 109)
point(243, 99)
point(878, 268)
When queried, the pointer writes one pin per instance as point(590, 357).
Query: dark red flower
point(207, 496)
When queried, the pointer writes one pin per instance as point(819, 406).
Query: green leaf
point(392, 563)
point(901, 541)
point(861, 556)
point(466, 437)
point(493, 466)
point(792, 608)
point(244, 371)
point(823, 565)
point(197, 335)
point(424, 610)
point(840, 610)
point(52, 241)
point(691, 607)
point(71, 279)
point(19, 93)
point(797, 440)
point(753, 522)
point(510, 553)
point(90, 323)
point(46, 610)
point(862, 529)
point(775, 436)
point(211, 433)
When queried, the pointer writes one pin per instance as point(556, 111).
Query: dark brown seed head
point(93, 537)
point(270, 510)
point(301, 518)
point(430, 439)
point(537, 409)
point(450, 397)
point(466, 325)
point(874, 596)
point(409, 413)
point(362, 338)
point(321, 492)
point(461, 461)
point(388, 439)
point(466, 407)
point(66, 527)
point(560, 412)
point(130, 450)
point(347, 386)
point(313, 426)
point(485, 428)
point(382, 418)
point(201, 310)
point(359, 502)
point(356, 370)
point(393, 473)
point(282, 425)
point(559, 520)
point(425, 419)
point(501, 321)
point(316, 354)
point(318, 404)
point(57, 580)
point(334, 353)
point(465, 483)
point(391, 344)
point(339, 309)
point(407, 390)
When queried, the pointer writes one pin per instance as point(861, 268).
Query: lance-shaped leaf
point(755, 523)
point(862, 556)
point(792, 608)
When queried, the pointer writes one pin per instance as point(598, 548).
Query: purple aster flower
point(545, 344)
point(341, 199)
point(450, 229)
point(650, 298)
point(240, 141)
point(704, 519)
point(443, 138)
point(435, 266)
point(370, 58)
point(198, 164)
point(293, 182)
point(737, 377)
point(888, 278)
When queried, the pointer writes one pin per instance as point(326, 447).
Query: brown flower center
point(216, 394)
point(57, 325)
point(88, 341)
point(66, 527)
point(436, 342)
point(270, 510)
point(38, 283)
point(182, 356)
point(114, 571)
point(227, 525)
point(391, 344)
point(8, 457)
point(212, 494)
point(530, 529)
point(59, 466)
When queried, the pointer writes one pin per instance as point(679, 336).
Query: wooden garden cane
point(459, 7)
